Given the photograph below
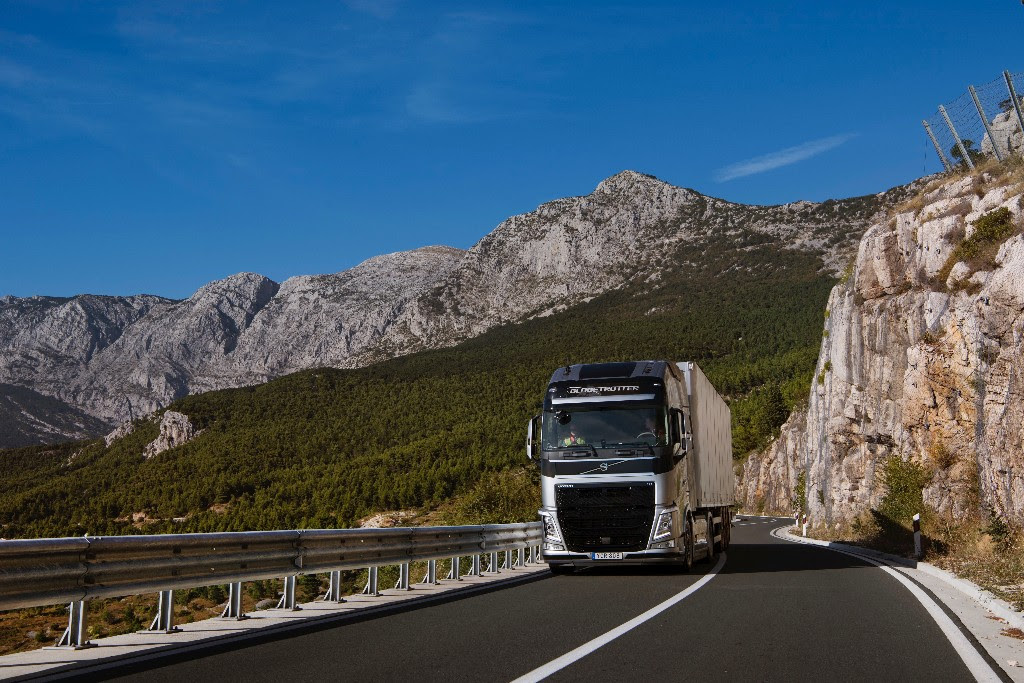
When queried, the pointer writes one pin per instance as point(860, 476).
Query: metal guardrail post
point(287, 600)
point(164, 620)
point(474, 570)
point(233, 610)
point(492, 563)
point(453, 573)
point(1014, 99)
point(508, 560)
point(520, 557)
point(938, 150)
point(956, 136)
point(431, 576)
point(403, 578)
point(984, 121)
point(371, 583)
point(76, 635)
point(334, 588)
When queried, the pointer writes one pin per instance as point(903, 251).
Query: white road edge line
point(975, 663)
point(585, 649)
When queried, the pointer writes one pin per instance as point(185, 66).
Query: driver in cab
point(573, 439)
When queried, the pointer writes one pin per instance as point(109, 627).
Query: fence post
point(233, 610)
point(334, 589)
point(917, 536)
point(1014, 99)
point(474, 570)
point(984, 121)
point(164, 621)
point(492, 563)
point(520, 557)
point(956, 136)
point(938, 150)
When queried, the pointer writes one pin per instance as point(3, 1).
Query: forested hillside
point(325, 447)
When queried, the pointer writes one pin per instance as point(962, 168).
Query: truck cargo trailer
point(636, 465)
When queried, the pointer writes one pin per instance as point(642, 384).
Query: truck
point(636, 465)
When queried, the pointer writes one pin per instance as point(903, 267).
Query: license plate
point(606, 556)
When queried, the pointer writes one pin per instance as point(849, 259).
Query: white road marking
point(975, 663)
point(582, 651)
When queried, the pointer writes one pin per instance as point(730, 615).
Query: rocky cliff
point(921, 360)
point(121, 357)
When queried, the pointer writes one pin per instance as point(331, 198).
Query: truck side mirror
point(675, 435)
point(532, 433)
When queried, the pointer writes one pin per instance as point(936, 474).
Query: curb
point(996, 605)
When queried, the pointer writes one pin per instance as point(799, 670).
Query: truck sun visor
point(604, 398)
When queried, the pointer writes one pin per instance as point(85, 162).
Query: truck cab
point(619, 467)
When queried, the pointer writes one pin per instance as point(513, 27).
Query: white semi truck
point(636, 465)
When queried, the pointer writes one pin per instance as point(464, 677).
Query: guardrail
point(48, 571)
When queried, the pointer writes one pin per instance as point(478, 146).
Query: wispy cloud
point(780, 158)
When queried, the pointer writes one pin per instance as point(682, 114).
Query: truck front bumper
point(638, 558)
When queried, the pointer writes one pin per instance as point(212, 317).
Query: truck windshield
point(605, 427)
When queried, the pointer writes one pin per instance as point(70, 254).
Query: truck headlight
point(663, 529)
point(551, 532)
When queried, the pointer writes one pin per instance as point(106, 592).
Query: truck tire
point(711, 537)
point(720, 545)
point(688, 540)
point(726, 527)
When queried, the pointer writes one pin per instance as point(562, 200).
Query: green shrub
point(800, 493)
point(979, 250)
point(904, 482)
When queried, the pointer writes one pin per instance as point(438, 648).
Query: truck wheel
point(720, 545)
point(688, 540)
point(711, 537)
point(726, 527)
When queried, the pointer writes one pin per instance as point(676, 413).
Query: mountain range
point(90, 362)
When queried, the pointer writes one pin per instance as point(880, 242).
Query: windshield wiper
point(642, 444)
point(577, 450)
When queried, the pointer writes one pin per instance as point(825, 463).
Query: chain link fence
point(980, 123)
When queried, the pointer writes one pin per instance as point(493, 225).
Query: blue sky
point(155, 146)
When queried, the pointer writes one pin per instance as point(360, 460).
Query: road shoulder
point(980, 613)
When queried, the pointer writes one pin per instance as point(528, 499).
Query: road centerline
point(542, 672)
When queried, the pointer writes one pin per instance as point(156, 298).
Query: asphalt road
point(776, 611)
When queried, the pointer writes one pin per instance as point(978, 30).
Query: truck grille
point(596, 517)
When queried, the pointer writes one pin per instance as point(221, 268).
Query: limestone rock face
point(175, 430)
point(120, 358)
point(913, 369)
point(1006, 130)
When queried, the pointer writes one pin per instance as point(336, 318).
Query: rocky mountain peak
point(122, 357)
point(626, 181)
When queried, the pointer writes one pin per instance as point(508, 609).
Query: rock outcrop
point(120, 358)
point(917, 365)
point(176, 429)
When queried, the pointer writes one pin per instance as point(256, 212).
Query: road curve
point(776, 611)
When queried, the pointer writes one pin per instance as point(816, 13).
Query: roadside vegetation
point(971, 541)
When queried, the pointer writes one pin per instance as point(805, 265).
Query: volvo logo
point(604, 466)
